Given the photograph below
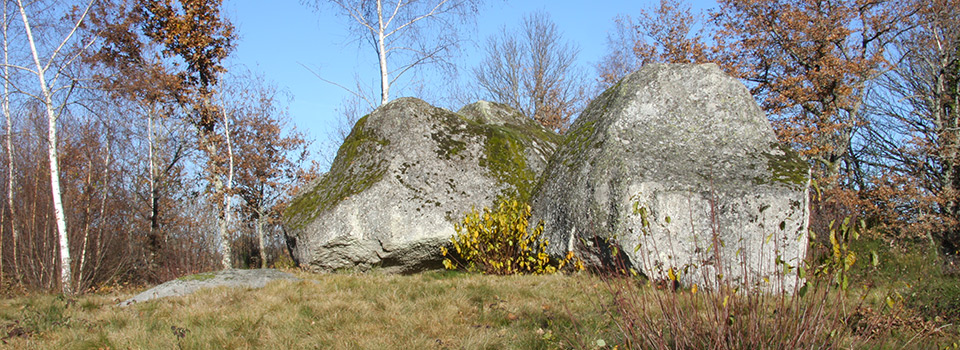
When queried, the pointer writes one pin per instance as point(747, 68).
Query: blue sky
point(277, 38)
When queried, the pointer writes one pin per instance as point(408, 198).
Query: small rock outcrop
point(256, 278)
point(405, 175)
point(676, 167)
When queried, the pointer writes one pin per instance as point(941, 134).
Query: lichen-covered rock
point(677, 167)
point(405, 174)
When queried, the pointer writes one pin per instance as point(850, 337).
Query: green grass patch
point(913, 274)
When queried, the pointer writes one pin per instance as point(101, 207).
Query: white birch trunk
point(86, 231)
point(153, 238)
point(152, 168)
point(382, 53)
point(65, 271)
point(9, 118)
point(66, 277)
point(225, 221)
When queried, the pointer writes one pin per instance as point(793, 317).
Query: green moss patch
point(198, 277)
point(505, 149)
point(505, 158)
point(505, 154)
point(348, 176)
point(447, 146)
point(358, 167)
point(786, 167)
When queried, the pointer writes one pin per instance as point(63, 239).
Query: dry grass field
point(445, 310)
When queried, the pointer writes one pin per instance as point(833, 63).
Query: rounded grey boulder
point(257, 278)
point(404, 176)
point(677, 168)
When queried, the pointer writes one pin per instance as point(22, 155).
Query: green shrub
point(498, 242)
point(840, 257)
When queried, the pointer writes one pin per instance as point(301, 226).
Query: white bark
point(227, 195)
point(151, 166)
point(86, 229)
point(46, 95)
point(382, 55)
point(65, 272)
point(103, 209)
point(9, 144)
point(391, 21)
point(153, 239)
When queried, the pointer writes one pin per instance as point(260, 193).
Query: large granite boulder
point(677, 167)
point(405, 175)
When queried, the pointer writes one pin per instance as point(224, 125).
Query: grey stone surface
point(404, 176)
point(686, 149)
point(257, 278)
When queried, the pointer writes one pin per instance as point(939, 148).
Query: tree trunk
point(263, 253)
point(65, 268)
point(86, 231)
point(65, 271)
point(382, 53)
point(950, 150)
point(6, 113)
point(154, 237)
point(226, 190)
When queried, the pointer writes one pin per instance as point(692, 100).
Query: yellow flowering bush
point(498, 242)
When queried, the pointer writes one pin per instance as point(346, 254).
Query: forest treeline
point(132, 154)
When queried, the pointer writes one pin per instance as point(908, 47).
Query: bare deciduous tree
point(130, 69)
point(534, 70)
point(406, 34)
point(8, 117)
point(670, 32)
point(913, 134)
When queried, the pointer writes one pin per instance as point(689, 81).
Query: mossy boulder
point(405, 174)
point(676, 167)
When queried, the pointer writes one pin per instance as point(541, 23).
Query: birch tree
point(53, 92)
point(405, 34)
point(131, 68)
point(8, 117)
